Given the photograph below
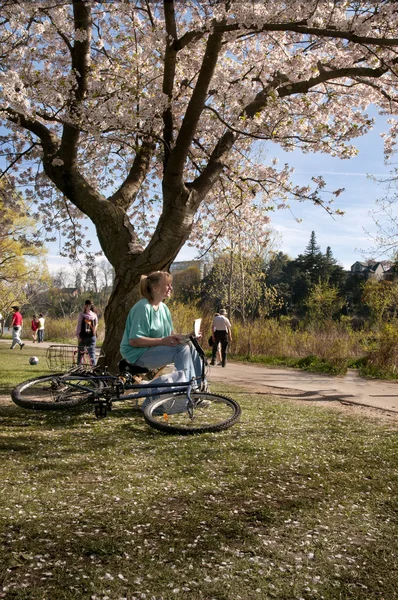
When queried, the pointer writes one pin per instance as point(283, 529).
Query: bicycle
point(177, 407)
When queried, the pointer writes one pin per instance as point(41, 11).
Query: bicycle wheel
point(208, 412)
point(55, 392)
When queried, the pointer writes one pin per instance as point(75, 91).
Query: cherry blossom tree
point(152, 118)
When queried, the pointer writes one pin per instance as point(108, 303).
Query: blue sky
point(346, 235)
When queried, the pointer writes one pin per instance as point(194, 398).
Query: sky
point(346, 235)
point(349, 236)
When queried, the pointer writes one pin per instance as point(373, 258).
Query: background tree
point(382, 298)
point(237, 278)
point(187, 285)
point(312, 262)
point(22, 264)
point(334, 273)
point(236, 283)
point(142, 115)
point(295, 278)
point(275, 270)
point(322, 302)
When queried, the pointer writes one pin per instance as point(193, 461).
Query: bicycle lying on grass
point(173, 407)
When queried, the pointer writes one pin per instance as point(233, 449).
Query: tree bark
point(117, 309)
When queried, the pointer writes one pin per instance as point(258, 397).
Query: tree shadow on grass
point(33, 432)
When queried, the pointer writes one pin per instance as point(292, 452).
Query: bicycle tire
point(54, 392)
point(211, 412)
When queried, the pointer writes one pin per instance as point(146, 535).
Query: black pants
point(221, 337)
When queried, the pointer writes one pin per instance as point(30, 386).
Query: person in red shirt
point(16, 327)
point(34, 328)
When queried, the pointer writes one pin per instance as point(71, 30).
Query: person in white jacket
point(40, 328)
point(222, 334)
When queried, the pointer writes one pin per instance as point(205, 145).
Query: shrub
point(381, 358)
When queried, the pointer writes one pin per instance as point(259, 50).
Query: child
point(34, 327)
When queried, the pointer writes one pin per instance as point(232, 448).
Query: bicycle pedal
point(101, 411)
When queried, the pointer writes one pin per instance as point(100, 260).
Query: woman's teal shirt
point(144, 321)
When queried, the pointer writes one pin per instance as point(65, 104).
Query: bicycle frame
point(104, 398)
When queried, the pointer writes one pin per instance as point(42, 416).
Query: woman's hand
point(172, 340)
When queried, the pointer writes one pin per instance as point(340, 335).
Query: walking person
point(1, 324)
point(218, 358)
point(221, 335)
point(40, 328)
point(149, 339)
point(16, 327)
point(34, 327)
point(86, 332)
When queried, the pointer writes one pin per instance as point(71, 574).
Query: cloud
point(343, 173)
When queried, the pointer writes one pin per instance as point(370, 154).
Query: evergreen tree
point(330, 260)
point(294, 279)
point(335, 273)
point(312, 262)
point(312, 248)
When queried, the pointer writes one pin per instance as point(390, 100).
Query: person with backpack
point(86, 332)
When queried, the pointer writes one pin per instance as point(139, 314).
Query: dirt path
point(301, 385)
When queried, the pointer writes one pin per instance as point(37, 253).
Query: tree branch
point(18, 157)
point(205, 181)
point(129, 189)
point(207, 178)
point(300, 87)
point(175, 166)
point(168, 75)
point(295, 27)
point(80, 69)
point(49, 141)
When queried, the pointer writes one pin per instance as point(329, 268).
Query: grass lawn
point(15, 365)
point(294, 502)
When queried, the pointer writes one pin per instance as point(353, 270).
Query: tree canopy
point(20, 248)
point(148, 117)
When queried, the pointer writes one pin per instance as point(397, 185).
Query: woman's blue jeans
point(183, 356)
point(88, 343)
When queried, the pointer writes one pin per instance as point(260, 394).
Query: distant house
point(370, 269)
point(70, 291)
point(391, 272)
point(186, 264)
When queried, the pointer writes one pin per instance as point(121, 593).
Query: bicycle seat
point(125, 365)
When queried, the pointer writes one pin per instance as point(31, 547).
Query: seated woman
point(149, 339)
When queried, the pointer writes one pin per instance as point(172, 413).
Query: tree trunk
point(121, 300)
